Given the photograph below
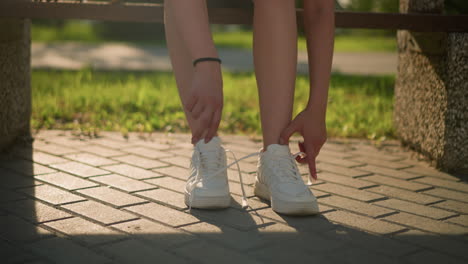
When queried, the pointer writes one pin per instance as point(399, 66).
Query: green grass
point(359, 41)
point(359, 106)
point(343, 43)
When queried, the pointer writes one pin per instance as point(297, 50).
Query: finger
point(192, 100)
point(311, 160)
point(288, 132)
point(197, 110)
point(196, 135)
point(214, 125)
point(302, 159)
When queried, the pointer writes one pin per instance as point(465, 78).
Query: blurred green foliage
point(86, 100)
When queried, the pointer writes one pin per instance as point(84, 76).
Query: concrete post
point(431, 91)
point(15, 88)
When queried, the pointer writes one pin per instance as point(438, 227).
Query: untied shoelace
point(236, 161)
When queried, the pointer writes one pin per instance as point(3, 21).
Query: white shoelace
point(236, 161)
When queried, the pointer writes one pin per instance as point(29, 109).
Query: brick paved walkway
point(109, 200)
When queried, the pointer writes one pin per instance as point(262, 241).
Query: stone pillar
point(431, 91)
point(15, 88)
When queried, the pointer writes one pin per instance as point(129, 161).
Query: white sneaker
point(207, 186)
point(279, 181)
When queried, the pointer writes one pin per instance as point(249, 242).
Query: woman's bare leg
point(319, 25)
point(181, 60)
point(275, 59)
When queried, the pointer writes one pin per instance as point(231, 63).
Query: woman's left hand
point(312, 127)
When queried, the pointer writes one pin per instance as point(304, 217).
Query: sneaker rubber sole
point(285, 207)
point(211, 202)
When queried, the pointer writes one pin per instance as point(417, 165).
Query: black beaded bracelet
point(206, 59)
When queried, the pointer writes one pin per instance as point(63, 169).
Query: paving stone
point(235, 188)
point(348, 192)
point(407, 185)
point(228, 236)
point(344, 180)
point(431, 257)
point(241, 220)
point(165, 196)
point(68, 141)
point(461, 220)
point(140, 161)
point(427, 224)
point(8, 196)
point(79, 169)
point(233, 176)
point(357, 255)
point(350, 172)
point(163, 214)
point(85, 231)
point(54, 149)
point(111, 143)
point(154, 144)
point(374, 154)
point(276, 254)
point(170, 183)
point(333, 153)
point(355, 206)
point(196, 251)
point(379, 244)
point(99, 212)
point(181, 151)
point(404, 195)
point(253, 203)
point(429, 171)
point(123, 183)
point(389, 172)
point(174, 171)
point(130, 250)
point(26, 167)
point(90, 159)
point(307, 224)
point(147, 152)
point(66, 181)
point(379, 164)
point(16, 229)
point(62, 250)
point(363, 223)
point(414, 208)
point(435, 242)
point(14, 180)
point(46, 159)
point(36, 211)
point(458, 186)
point(453, 206)
point(318, 194)
point(101, 151)
point(131, 171)
point(111, 196)
point(448, 194)
point(178, 160)
point(11, 253)
point(332, 159)
point(51, 194)
point(157, 234)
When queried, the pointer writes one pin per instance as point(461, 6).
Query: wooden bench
point(149, 11)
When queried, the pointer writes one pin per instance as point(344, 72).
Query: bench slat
point(153, 13)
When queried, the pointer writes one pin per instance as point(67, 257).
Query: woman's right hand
point(205, 102)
